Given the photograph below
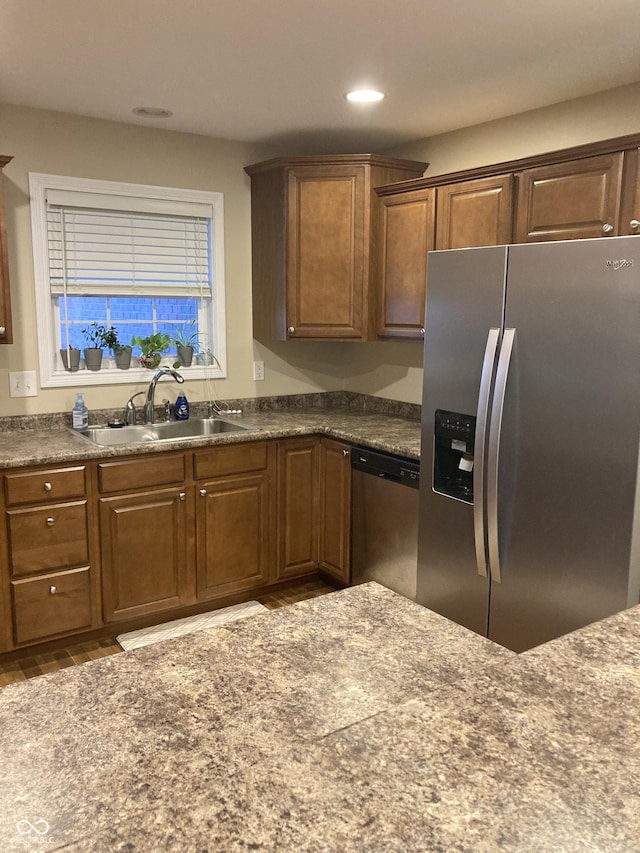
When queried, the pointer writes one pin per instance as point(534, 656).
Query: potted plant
point(70, 358)
point(121, 352)
point(152, 348)
point(185, 340)
point(94, 334)
point(206, 358)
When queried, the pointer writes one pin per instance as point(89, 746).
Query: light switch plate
point(258, 370)
point(23, 384)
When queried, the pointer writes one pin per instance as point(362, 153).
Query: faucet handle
point(130, 409)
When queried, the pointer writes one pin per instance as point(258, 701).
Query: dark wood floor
point(33, 665)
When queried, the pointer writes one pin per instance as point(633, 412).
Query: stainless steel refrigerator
point(529, 520)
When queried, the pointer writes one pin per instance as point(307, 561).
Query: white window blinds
point(102, 245)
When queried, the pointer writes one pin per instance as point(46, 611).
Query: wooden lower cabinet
point(145, 559)
point(51, 605)
point(335, 509)
point(232, 534)
point(297, 497)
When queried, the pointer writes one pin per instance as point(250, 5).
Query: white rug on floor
point(180, 627)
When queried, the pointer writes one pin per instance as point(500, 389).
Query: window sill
point(110, 375)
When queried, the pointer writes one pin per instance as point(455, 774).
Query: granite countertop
point(357, 721)
point(381, 428)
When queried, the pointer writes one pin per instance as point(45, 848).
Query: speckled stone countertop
point(355, 419)
point(357, 721)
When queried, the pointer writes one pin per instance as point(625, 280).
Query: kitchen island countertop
point(357, 721)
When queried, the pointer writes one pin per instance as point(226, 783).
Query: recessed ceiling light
point(365, 96)
point(152, 112)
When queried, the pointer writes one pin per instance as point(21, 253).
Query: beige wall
point(63, 144)
point(57, 143)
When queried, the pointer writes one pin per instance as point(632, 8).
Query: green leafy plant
point(186, 336)
point(101, 337)
point(152, 347)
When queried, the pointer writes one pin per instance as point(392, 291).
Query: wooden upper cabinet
point(6, 329)
point(406, 234)
point(474, 213)
point(313, 222)
point(630, 207)
point(570, 201)
point(327, 264)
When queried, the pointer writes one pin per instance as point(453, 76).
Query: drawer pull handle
point(53, 590)
point(49, 522)
point(47, 487)
point(203, 492)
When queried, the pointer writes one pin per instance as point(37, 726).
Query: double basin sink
point(165, 431)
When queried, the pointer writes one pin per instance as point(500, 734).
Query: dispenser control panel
point(454, 437)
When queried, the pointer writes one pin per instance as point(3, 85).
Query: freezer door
point(569, 446)
point(465, 293)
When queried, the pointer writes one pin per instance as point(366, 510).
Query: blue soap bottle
point(182, 408)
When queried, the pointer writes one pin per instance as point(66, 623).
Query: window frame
point(52, 375)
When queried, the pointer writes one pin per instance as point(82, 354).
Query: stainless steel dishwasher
point(385, 520)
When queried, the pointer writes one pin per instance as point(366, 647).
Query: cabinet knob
point(53, 590)
point(183, 496)
point(203, 492)
point(607, 228)
point(3, 329)
point(345, 452)
point(422, 331)
point(49, 522)
point(291, 330)
point(635, 224)
point(47, 487)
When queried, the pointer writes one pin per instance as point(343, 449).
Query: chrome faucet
point(149, 404)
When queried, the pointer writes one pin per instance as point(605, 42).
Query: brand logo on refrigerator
point(622, 264)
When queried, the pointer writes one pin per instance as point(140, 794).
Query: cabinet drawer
point(55, 604)
point(48, 485)
point(141, 473)
point(233, 459)
point(50, 537)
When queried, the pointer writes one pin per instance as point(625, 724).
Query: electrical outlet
point(258, 370)
point(23, 384)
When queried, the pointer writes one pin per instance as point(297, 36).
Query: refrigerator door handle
point(479, 451)
point(493, 452)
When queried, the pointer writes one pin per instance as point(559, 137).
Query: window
point(142, 259)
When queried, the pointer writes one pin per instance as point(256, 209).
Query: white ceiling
point(276, 71)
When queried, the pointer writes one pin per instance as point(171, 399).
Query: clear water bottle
point(182, 408)
point(80, 413)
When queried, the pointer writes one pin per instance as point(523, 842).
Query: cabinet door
point(144, 553)
point(406, 235)
point(326, 271)
point(570, 201)
point(6, 334)
point(335, 509)
point(233, 541)
point(297, 525)
point(474, 213)
point(630, 208)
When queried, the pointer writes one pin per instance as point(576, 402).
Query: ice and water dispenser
point(454, 436)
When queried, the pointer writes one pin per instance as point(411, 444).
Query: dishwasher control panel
point(386, 466)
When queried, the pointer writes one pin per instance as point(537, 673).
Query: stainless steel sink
point(166, 431)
